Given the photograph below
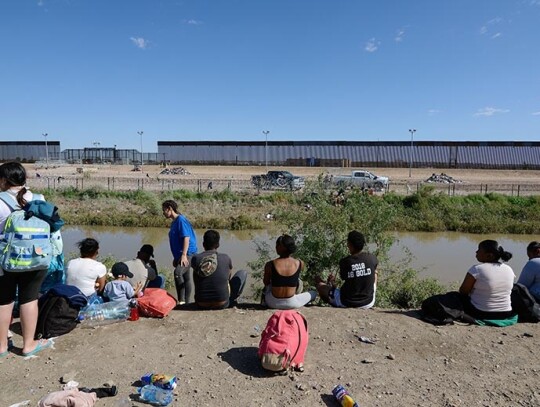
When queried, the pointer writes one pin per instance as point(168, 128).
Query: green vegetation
point(320, 229)
point(424, 210)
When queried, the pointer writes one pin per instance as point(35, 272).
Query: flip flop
point(4, 354)
point(42, 344)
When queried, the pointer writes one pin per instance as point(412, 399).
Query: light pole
point(265, 132)
point(140, 133)
point(412, 131)
point(46, 150)
point(96, 145)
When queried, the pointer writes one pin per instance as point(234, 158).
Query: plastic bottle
point(156, 395)
point(103, 314)
point(343, 397)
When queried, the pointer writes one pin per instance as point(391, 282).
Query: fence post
point(82, 183)
point(512, 189)
point(518, 189)
point(113, 183)
point(453, 189)
point(108, 184)
point(229, 185)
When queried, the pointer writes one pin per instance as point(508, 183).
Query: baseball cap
point(148, 249)
point(121, 269)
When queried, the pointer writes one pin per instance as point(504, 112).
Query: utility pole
point(46, 150)
point(140, 133)
point(265, 132)
point(412, 131)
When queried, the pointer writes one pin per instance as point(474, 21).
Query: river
point(444, 255)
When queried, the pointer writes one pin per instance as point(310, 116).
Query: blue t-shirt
point(181, 228)
point(530, 277)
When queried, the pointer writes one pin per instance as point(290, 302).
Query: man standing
point(359, 275)
point(215, 287)
point(142, 267)
point(183, 245)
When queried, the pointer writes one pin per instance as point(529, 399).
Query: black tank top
point(285, 281)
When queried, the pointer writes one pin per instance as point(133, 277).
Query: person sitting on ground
point(119, 289)
point(142, 267)
point(215, 286)
point(85, 272)
point(530, 275)
point(358, 271)
point(488, 285)
point(282, 278)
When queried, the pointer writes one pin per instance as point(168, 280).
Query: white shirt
point(83, 273)
point(5, 210)
point(493, 286)
point(141, 273)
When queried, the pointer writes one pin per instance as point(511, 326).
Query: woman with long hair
point(27, 283)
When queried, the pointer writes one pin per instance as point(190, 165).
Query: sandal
point(42, 344)
point(4, 354)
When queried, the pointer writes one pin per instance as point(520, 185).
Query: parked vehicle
point(278, 180)
point(361, 178)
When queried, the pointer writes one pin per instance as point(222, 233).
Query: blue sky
point(367, 70)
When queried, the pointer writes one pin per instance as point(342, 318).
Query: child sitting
point(120, 290)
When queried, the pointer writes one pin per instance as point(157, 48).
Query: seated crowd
point(485, 292)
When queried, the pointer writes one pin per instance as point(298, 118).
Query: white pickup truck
point(361, 178)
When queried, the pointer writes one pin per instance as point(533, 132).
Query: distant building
point(29, 151)
point(442, 154)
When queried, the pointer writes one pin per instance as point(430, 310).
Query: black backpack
point(524, 304)
point(443, 309)
point(59, 311)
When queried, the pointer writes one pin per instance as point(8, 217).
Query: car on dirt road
point(362, 179)
point(278, 180)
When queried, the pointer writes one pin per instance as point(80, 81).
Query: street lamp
point(140, 133)
point(265, 132)
point(46, 150)
point(96, 145)
point(412, 131)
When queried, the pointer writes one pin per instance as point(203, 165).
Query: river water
point(446, 256)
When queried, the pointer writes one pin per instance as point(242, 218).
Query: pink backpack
point(284, 341)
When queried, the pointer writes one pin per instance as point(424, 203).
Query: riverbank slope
point(213, 353)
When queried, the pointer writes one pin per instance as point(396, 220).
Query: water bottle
point(343, 397)
point(103, 314)
point(156, 395)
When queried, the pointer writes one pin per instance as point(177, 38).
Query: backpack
point(443, 309)
point(26, 243)
point(524, 304)
point(59, 310)
point(284, 341)
point(156, 303)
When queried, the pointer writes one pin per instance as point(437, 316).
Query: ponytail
point(20, 197)
point(504, 255)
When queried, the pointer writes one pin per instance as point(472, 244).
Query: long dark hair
point(492, 246)
point(14, 175)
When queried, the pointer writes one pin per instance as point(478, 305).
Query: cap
point(148, 249)
point(121, 269)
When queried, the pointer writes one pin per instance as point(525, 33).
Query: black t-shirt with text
point(358, 273)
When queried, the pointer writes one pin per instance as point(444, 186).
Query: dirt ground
point(398, 175)
point(213, 354)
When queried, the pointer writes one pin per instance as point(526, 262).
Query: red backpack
point(284, 341)
point(156, 303)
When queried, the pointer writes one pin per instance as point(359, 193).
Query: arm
point(467, 285)
point(137, 289)
point(527, 276)
point(183, 259)
point(267, 279)
point(100, 283)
